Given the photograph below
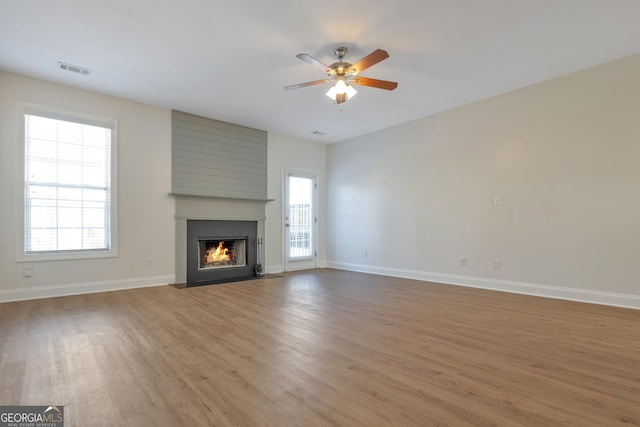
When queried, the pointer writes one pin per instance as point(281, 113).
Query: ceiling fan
point(344, 74)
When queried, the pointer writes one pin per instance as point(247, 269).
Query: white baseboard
point(277, 269)
point(37, 292)
point(595, 297)
point(274, 269)
point(581, 295)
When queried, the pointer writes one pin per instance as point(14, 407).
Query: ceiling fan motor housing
point(339, 69)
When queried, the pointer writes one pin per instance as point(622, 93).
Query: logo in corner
point(32, 416)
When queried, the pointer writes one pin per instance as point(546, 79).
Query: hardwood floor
point(322, 348)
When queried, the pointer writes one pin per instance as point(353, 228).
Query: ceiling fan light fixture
point(341, 72)
point(341, 86)
point(332, 93)
point(351, 92)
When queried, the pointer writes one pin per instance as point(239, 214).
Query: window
point(68, 186)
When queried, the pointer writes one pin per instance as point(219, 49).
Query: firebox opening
point(215, 253)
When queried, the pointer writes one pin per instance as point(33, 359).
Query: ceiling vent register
point(74, 68)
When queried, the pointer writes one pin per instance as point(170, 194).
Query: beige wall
point(145, 212)
point(562, 155)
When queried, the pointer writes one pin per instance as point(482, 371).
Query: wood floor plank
point(322, 348)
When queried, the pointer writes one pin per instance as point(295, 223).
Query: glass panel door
point(299, 220)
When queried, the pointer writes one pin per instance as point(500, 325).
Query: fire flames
point(218, 254)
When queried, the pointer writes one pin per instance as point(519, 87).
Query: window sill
point(68, 255)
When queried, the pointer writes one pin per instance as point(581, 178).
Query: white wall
point(288, 153)
point(145, 217)
point(564, 157)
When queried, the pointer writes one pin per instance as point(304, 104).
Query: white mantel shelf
point(220, 198)
point(219, 217)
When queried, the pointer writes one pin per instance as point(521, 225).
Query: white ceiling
point(230, 59)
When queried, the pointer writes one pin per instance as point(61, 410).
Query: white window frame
point(20, 197)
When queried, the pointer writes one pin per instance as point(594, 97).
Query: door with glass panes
point(299, 220)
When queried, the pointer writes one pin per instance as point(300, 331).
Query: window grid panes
point(67, 185)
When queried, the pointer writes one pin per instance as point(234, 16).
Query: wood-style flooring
point(322, 348)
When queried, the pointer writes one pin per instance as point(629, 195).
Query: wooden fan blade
point(372, 59)
point(313, 61)
point(380, 84)
point(313, 83)
point(341, 97)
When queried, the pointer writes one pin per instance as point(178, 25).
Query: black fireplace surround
point(219, 230)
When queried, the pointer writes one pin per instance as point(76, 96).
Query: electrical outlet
point(462, 261)
point(365, 253)
point(497, 201)
point(497, 264)
point(149, 262)
point(27, 272)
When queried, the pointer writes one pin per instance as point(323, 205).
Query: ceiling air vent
point(74, 68)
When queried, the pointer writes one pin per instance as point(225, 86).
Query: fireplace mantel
point(220, 198)
point(187, 216)
point(190, 207)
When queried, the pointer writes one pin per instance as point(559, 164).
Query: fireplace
point(227, 253)
point(220, 251)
